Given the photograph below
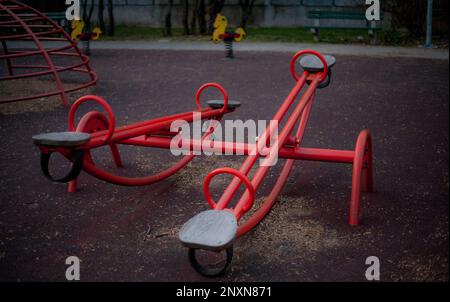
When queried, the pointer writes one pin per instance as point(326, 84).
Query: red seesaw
point(215, 230)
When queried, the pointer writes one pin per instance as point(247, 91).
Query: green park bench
point(60, 18)
point(318, 15)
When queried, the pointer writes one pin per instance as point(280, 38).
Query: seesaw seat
point(209, 230)
point(313, 64)
point(61, 139)
point(217, 104)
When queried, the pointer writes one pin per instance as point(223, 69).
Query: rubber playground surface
point(131, 233)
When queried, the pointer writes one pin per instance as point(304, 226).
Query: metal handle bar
point(310, 52)
point(214, 85)
point(234, 172)
point(112, 134)
point(101, 102)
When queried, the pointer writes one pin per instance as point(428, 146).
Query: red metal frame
point(156, 133)
point(361, 158)
point(104, 133)
point(17, 15)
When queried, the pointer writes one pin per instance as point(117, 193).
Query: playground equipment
point(85, 35)
point(215, 230)
point(76, 146)
point(28, 30)
point(228, 37)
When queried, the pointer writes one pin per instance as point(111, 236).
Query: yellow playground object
point(77, 28)
point(221, 33)
point(97, 32)
point(85, 36)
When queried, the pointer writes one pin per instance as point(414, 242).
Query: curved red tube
point(101, 102)
point(310, 52)
point(135, 181)
point(362, 161)
point(269, 202)
point(281, 181)
point(241, 176)
point(215, 85)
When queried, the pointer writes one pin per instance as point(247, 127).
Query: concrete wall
point(266, 13)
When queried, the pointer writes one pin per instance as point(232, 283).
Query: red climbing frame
point(20, 22)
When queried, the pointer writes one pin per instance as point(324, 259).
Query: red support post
point(362, 163)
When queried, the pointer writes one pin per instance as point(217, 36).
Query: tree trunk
point(86, 15)
point(194, 18)
point(111, 23)
point(168, 21)
point(101, 20)
point(91, 11)
point(202, 17)
point(246, 11)
point(185, 20)
point(84, 10)
point(407, 14)
point(216, 7)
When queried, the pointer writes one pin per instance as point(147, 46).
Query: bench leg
point(316, 30)
point(372, 33)
point(316, 33)
point(372, 37)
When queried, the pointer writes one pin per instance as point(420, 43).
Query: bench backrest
point(347, 15)
point(56, 15)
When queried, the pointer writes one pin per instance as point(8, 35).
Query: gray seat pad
point(216, 104)
point(313, 64)
point(62, 139)
point(210, 230)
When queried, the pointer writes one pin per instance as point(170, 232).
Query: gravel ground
point(130, 233)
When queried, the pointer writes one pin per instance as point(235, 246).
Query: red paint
point(11, 19)
point(155, 133)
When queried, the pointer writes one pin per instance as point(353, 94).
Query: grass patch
point(302, 34)
point(136, 32)
point(273, 34)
